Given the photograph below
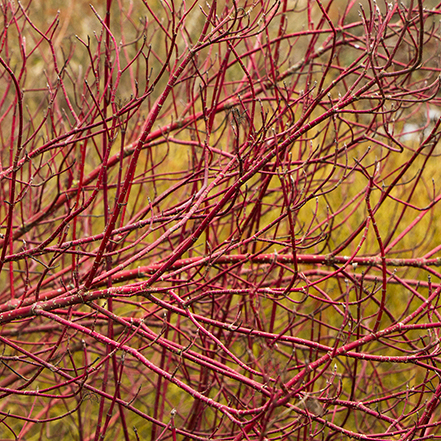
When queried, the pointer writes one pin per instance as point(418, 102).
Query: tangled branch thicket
point(219, 220)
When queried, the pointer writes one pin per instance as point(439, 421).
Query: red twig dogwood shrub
point(220, 220)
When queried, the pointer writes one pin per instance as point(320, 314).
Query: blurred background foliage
point(327, 183)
